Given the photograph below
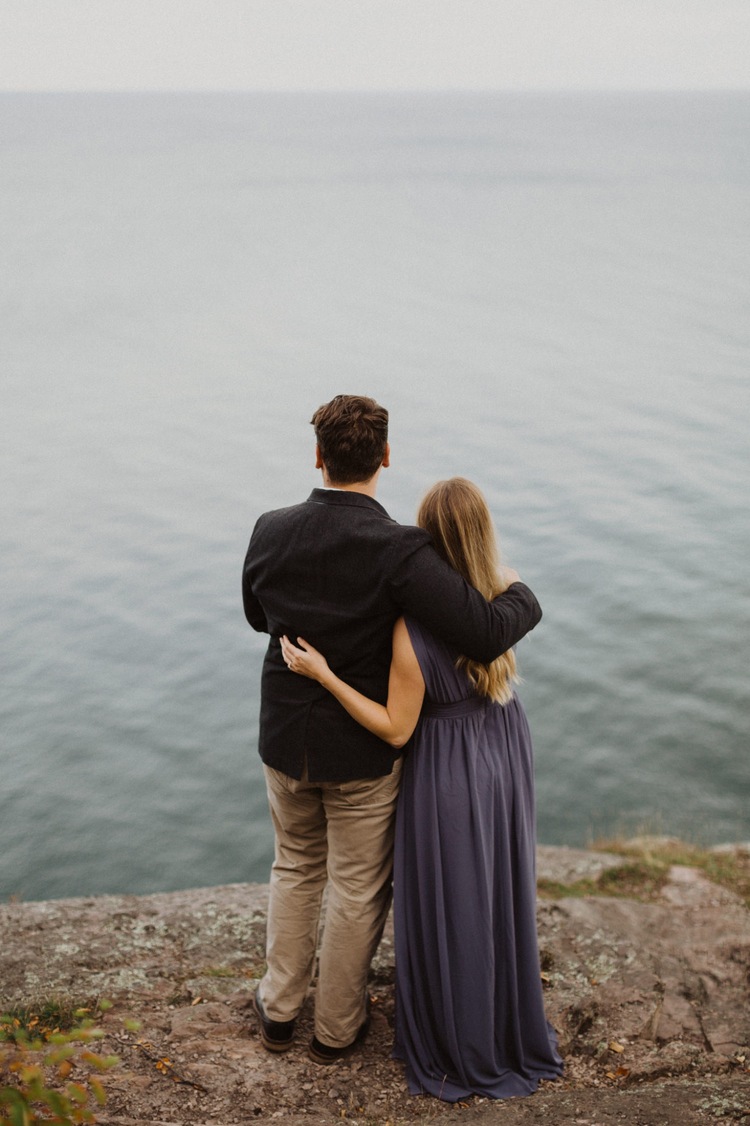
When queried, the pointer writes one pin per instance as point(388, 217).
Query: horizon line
point(376, 90)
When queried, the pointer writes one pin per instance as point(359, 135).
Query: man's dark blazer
point(338, 572)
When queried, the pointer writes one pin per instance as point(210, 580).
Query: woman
point(469, 1007)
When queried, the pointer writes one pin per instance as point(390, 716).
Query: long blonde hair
point(456, 515)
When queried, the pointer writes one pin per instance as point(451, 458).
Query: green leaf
point(15, 1103)
point(78, 1093)
point(98, 1091)
point(57, 1103)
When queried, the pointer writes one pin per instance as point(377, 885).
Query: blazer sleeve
point(254, 612)
point(440, 599)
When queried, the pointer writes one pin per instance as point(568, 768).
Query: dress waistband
point(456, 709)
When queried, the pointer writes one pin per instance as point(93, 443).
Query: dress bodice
point(444, 683)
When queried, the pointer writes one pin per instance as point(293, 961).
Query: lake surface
point(549, 293)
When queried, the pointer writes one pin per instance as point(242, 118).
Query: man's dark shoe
point(277, 1035)
point(323, 1053)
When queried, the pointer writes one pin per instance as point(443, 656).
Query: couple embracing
point(390, 668)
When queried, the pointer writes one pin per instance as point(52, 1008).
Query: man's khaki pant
point(340, 834)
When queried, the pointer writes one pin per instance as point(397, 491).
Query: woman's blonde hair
point(456, 515)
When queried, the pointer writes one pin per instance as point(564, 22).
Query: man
point(338, 571)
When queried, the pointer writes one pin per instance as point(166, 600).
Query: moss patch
point(647, 871)
point(729, 868)
point(640, 880)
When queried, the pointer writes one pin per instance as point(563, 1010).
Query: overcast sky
point(373, 44)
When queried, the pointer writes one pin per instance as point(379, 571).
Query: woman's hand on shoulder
point(304, 659)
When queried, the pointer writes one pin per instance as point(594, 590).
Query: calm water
point(549, 293)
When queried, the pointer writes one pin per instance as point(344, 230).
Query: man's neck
point(369, 488)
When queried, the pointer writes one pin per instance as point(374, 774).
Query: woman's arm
point(393, 722)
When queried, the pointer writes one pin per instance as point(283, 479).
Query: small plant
point(48, 1071)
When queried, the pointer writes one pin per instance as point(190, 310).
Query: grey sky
point(374, 44)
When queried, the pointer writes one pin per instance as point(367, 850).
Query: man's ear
point(387, 458)
point(318, 458)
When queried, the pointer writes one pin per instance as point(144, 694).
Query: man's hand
point(508, 575)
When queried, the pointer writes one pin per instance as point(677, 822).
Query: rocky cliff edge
point(647, 981)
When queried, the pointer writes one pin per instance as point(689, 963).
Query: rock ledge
point(650, 1001)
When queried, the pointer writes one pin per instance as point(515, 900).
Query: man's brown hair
point(352, 435)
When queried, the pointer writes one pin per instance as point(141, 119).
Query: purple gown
point(469, 1007)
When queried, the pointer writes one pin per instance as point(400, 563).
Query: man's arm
point(436, 595)
point(253, 610)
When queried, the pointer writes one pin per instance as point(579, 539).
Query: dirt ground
point(649, 999)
